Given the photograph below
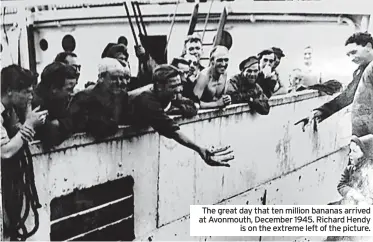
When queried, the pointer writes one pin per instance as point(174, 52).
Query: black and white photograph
point(186, 120)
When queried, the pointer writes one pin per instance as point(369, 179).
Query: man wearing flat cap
point(150, 110)
point(99, 110)
point(244, 89)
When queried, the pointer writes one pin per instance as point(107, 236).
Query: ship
point(138, 185)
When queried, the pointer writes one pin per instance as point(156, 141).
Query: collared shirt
point(4, 134)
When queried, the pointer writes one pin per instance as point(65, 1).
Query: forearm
point(281, 90)
point(12, 147)
point(206, 105)
point(261, 106)
point(184, 140)
point(240, 97)
point(341, 101)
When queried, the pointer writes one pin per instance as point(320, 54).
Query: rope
point(25, 191)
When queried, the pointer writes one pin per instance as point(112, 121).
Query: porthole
point(43, 44)
point(68, 43)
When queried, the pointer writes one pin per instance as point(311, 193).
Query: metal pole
point(207, 19)
point(141, 19)
point(137, 20)
point(172, 26)
point(130, 22)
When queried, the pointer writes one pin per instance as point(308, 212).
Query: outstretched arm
point(260, 104)
point(341, 101)
point(211, 157)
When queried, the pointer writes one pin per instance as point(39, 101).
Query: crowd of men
point(182, 87)
point(52, 111)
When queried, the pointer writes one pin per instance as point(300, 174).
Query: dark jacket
point(241, 91)
point(362, 107)
point(344, 99)
point(184, 107)
point(149, 111)
point(267, 84)
point(56, 104)
point(97, 112)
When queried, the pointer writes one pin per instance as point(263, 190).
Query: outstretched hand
point(217, 156)
point(313, 120)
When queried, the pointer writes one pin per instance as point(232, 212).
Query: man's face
point(193, 66)
point(194, 48)
point(115, 81)
point(69, 86)
point(359, 54)
point(296, 77)
point(73, 61)
point(173, 88)
point(251, 73)
point(184, 69)
point(220, 62)
point(21, 98)
point(122, 58)
point(267, 60)
point(355, 153)
point(307, 55)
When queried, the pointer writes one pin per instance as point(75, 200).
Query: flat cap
point(248, 62)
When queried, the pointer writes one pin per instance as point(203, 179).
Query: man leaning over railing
point(151, 106)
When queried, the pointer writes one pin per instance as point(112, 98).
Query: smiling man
point(243, 87)
point(150, 110)
point(211, 83)
point(359, 48)
point(193, 46)
point(99, 110)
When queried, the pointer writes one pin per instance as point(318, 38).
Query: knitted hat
point(248, 62)
point(110, 65)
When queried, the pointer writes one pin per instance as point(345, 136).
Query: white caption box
point(280, 220)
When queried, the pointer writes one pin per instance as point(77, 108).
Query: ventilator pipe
point(346, 20)
point(364, 25)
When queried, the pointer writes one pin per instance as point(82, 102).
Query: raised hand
point(35, 117)
point(267, 71)
point(139, 50)
point(217, 156)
